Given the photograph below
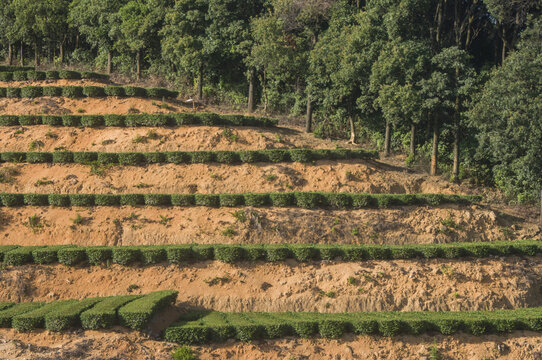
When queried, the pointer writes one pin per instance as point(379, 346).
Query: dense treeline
point(454, 81)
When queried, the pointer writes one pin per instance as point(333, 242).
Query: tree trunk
point(434, 156)
point(504, 44)
point(10, 55)
point(387, 139)
point(36, 56)
point(22, 53)
point(352, 131)
point(308, 119)
point(251, 86)
point(138, 65)
point(455, 170)
point(200, 83)
point(62, 52)
point(109, 62)
point(412, 139)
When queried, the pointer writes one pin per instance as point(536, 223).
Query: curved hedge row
point(85, 91)
point(23, 75)
point(187, 157)
point(306, 200)
point(212, 327)
point(136, 120)
point(134, 311)
point(185, 254)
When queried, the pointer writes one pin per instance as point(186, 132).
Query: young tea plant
point(229, 232)
point(165, 220)
point(239, 215)
point(34, 223)
point(7, 174)
point(139, 139)
point(35, 145)
point(51, 135)
point(43, 181)
point(132, 287)
point(218, 280)
point(230, 135)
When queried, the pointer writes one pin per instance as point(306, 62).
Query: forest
point(454, 85)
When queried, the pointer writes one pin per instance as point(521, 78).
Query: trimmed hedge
point(28, 73)
point(80, 91)
point(209, 327)
point(306, 200)
point(136, 314)
point(133, 120)
point(104, 314)
point(183, 254)
point(176, 157)
point(12, 68)
point(89, 313)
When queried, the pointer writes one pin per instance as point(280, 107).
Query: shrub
point(339, 201)
point(82, 200)
point(209, 200)
point(132, 199)
point(114, 91)
point(72, 91)
point(277, 253)
point(93, 91)
point(108, 158)
point(183, 200)
point(125, 255)
point(30, 120)
point(39, 157)
point(71, 256)
point(135, 91)
point(277, 156)
point(67, 316)
point(6, 76)
point(20, 75)
point(69, 75)
point(36, 199)
point(52, 91)
point(227, 157)
point(231, 200)
point(282, 199)
point(12, 199)
point(301, 155)
point(229, 254)
point(161, 93)
point(389, 327)
point(131, 158)
point(85, 157)
point(157, 200)
point(31, 91)
point(332, 329)
point(178, 157)
point(107, 200)
point(303, 253)
point(257, 200)
point(61, 200)
point(52, 120)
point(71, 120)
point(104, 314)
point(13, 92)
point(20, 256)
point(136, 314)
point(201, 157)
point(155, 158)
point(305, 329)
point(99, 255)
point(36, 319)
point(250, 156)
point(114, 120)
point(179, 254)
point(309, 200)
point(153, 255)
point(9, 120)
point(52, 75)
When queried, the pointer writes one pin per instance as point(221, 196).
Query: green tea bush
point(132, 199)
point(180, 254)
point(108, 158)
point(114, 91)
point(62, 200)
point(36, 199)
point(107, 200)
point(71, 120)
point(99, 255)
point(9, 120)
point(114, 120)
point(131, 158)
point(231, 200)
point(301, 155)
point(82, 200)
point(39, 157)
point(13, 92)
point(229, 254)
point(125, 255)
point(72, 91)
point(157, 200)
point(52, 91)
point(52, 120)
point(104, 314)
point(20, 75)
point(67, 316)
point(135, 91)
point(94, 91)
point(332, 329)
point(12, 199)
point(69, 75)
point(85, 157)
point(136, 314)
point(52, 75)
point(71, 256)
point(209, 200)
point(31, 91)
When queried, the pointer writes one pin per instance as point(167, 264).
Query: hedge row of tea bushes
point(133, 311)
point(186, 157)
point(86, 91)
point(202, 328)
point(9, 68)
point(137, 120)
point(186, 254)
point(305, 200)
point(23, 75)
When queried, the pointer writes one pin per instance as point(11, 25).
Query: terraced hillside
point(125, 193)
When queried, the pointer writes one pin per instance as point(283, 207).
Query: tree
point(140, 21)
point(99, 22)
point(8, 35)
point(508, 117)
point(184, 37)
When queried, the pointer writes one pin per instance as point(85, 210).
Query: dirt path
point(128, 345)
point(327, 176)
point(414, 285)
point(146, 225)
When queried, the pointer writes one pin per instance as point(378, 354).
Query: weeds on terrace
point(132, 287)
point(153, 135)
point(143, 186)
point(51, 135)
point(133, 110)
point(80, 110)
point(352, 280)
point(36, 145)
point(218, 280)
point(43, 181)
point(329, 294)
point(271, 177)
point(448, 271)
point(34, 223)
point(19, 131)
point(7, 175)
point(450, 223)
point(183, 353)
point(78, 220)
point(229, 232)
point(99, 169)
point(239, 215)
point(228, 134)
point(278, 138)
point(434, 353)
point(505, 231)
point(139, 139)
point(165, 220)
point(355, 231)
point(215, 176)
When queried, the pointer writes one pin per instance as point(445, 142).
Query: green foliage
point(137, 314)
point(104, 314)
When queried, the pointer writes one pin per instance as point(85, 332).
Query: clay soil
point(127, 345)
point(145, 225)
point(413, 285)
